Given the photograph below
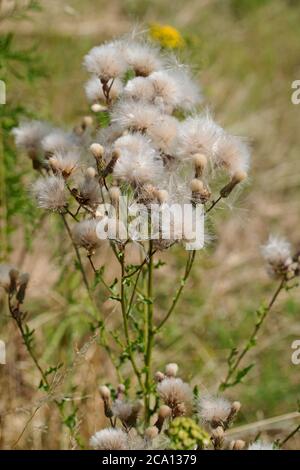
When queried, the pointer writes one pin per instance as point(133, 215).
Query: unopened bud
point(164, 411)
point(171, 369)
point(162, 195)
point(151, 432)
point(200, 162)
point(111, 164)
point(197, 186)
point(23, 281)
point(98, 108)
point(120, 390)
point(237, 178)
point(217, 437)
point(90, 172)
point(104, 392)
point(236, 406)
point(159, 376)
point(114, 193)
point(87, 121)
point(97, 150)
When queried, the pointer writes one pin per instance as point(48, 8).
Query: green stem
point(233, 367)
point(79, 260)
point(149, 337)
point(176, 298)
point(125, 319)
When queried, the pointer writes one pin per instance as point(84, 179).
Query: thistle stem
point(188, 267)
point(225, 384)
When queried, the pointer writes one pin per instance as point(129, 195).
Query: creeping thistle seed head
point(65, 162)
point(29, 135)
point(233, 155)
point(214, 410)
point(143, 58)
point(167, 90)
point(89, 190)
point(85, 235)
point(110, 439)
point(198, 134)
point(106, 61)
point(135, 115)
point(174, 392)
point(50, 193)
point(171, 370)
point(5, 278)
point(59, 141)
point(163, 133)
point(139, 163)
point(94, 90)
point(277, 254)
point(126, 411)
point(139, 89)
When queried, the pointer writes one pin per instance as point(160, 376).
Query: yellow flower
point(166, 35)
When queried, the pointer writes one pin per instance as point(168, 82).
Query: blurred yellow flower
point(166, 35)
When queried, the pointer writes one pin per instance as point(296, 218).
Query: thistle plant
point(146, 145)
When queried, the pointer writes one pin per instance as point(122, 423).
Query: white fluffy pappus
point(89, 190)
point(107, 135)
point(135, 115)
point(198, 134)
point(29, 135)
point(106, 61)
point(85, 234)
point(163, 133)
point(110, 439)
point(173, 391)
point(59, 141)
point(260, 445)
point(232, 154)
point(175, 89)
point(50, 193)
point(65, 162)
point(139, 88)
point(142, 57)
point(189, 90)
point(213, 409)
point(277, 254)
point(94, 90)
point(138, 163)
point(5, 280)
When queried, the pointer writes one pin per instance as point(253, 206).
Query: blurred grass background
point(245, 54)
